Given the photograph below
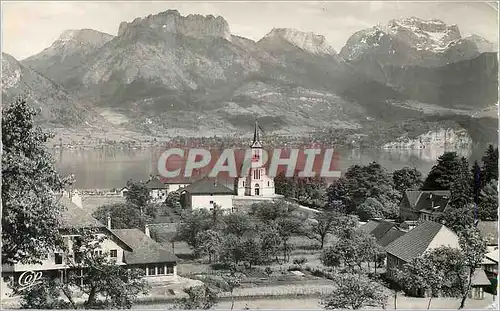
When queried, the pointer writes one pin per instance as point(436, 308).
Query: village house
point(158, 263)
point(72, 220)
point(257, 183)
point(157, 190)
point(205, 193)
point(426, 236)
point(423, 205)
point(384, 231)
point(490, 263)
point(123, 191)
point(176, 183)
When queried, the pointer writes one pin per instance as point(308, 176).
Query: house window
point(268, 183)
point(170, 269)
point(113, 254)
point(98, 253)
point(152, 270)
point(161, 270)
point(58, 258)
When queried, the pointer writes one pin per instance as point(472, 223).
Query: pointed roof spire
point(256, 137)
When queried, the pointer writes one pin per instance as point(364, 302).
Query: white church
point(256, 183)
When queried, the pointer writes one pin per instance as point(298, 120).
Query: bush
point(300, 261)
point(268, 271)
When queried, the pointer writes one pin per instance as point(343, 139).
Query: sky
point(30, 27)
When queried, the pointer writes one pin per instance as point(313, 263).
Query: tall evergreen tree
point(490, 165)
point(461, 189)
point(488, 202)
point(476, 183)
point(444, 173)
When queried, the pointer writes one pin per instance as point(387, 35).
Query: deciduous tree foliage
point(372, 181)
point(355, 291)
point(473, 246)
point(407, 178)
point(370, 208)
point(30, 211)
point(423, 275)
point(137, 194)
point(123, 216)
point(459, 218)
point(351, 250)
point(322, 225)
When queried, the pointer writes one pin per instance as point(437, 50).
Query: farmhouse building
point(423, 205)
point(205, 193)
point(426, 236)
point(72, 220)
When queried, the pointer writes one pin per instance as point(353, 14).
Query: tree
point(461, 190)
point(351, 251)
point(192, 223)
point(476, 182)
point(173, 200)
point(123, 216)
point(355, 291)
point(103, 283)
point(473, 247)
point(407, 178)
point(489, 170)
point(459, 218)
point(488, 202)
point(270, 243)
point(202, 297)
point(30, 211)
point(233, 251)
point(284, 185)
point(137, 194)
point(338, 192)
point(238, 224)
point(444, 173)
point(421, 274)
point(209, 243)
point(371, 181)
point(321, 226)
point(369, 209)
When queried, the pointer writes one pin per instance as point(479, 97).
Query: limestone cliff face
point(196, 25)
point(443, 138)
point(307, 41)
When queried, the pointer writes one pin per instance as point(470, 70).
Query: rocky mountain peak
point(193, 25)
point(308, 41)
point(424, 34)
point(84, 37)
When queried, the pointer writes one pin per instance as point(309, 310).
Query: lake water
point(111, 168)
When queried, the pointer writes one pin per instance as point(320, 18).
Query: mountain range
point(189, 75)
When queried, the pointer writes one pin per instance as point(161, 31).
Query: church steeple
point(256, 137)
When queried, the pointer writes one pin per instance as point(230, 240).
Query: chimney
point(146, 231)
point(109, 221)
